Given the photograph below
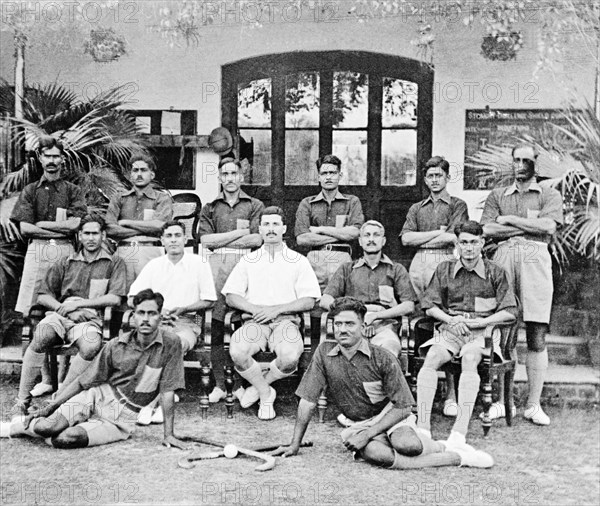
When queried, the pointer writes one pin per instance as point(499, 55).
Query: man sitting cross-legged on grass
point(101, 406)
point(466, 296)
point(367, 384)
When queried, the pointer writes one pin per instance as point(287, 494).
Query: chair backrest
point(186, 208)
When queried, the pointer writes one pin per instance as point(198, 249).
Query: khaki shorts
point(69, 331)
point(100, 414)
point(457, 345)
point(283, 332)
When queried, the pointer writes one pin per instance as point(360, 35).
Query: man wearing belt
point(229, 229)
point(101, 406)
point(327, 223)
point(525, 216)
point(367, 385)
point(135, 218)
point(269, 285)
point(429, 226)
point(75, 290)
point(466, 296)
point(185, 281)
point(48, 213)
point(383, 285)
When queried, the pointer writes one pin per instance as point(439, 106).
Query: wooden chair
point(422, 330)
point(186, 208)
point(35, 316)
point(235, 319)
point(403, 335)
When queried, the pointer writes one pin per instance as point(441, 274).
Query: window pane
point(399, 157)
point(255, 151)
point(351, 148)
point(350, 95)
point(143, 123)
point(170, 123)
point(254, 104)
point(301, 152)
point(400, 100)
point(302, 92)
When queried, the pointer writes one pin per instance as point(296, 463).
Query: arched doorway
point(372, 110)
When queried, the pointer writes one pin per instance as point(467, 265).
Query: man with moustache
point(229, 229)
point(135, 217)
point(524, 217)
point(270, 285)
point(48, 213)
point(74, 291)
point(367, 385)
point(101, 406)
point(429, 226)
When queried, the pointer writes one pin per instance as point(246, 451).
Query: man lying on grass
point(367, 384)
point(101, 406)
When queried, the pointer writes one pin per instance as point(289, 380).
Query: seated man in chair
point(367, 385)
point(465, 295)
point(270, 285)
point(101, 406)
point(74, 290)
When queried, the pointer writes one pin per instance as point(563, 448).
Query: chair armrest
point(108, 312)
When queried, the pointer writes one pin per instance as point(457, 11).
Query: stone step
point(562, 350)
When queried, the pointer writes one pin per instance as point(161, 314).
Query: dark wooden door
point(373, 110)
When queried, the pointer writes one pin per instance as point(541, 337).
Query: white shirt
point(267, 280)
point(181, 284)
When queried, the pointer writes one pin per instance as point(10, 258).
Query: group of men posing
point(251, 269)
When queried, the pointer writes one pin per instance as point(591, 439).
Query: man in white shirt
point(186, 283)
point(270, 284)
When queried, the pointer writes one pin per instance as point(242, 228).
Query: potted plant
point(105, 45)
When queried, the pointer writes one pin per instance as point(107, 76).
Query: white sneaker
point(344, 421)
point(536, 414)
point(41, 389)
point(158, 416)
point(450, 408)
point(216, 395)
point(145, 415)
point(456, 439)
point(498, 410)
point(425, 432)
point(470, 457)
point(250, 397)
point(5, 429)
point(266, 410)
point(239, 393)
point(175, 397)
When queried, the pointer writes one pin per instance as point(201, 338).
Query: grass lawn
point(534, 465)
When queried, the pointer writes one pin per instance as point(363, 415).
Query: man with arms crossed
point(75, 290)
point(135, 218)
point(102, 405)
point(524, 217)
point(48, 213)
point(366, 383)
point(466, 296)
point(429, 226)
point(270, 285)
point(229, 228)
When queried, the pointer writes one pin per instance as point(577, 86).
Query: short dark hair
point(148, 294)
point(469, 227)
point(437, 161)
point(49, 142)
point(230, 159)
point(332, 159)
point(141, 157)
point(347, 304)
point(172, 223)
point(92, 218)
point(274, 210)
point(523, 145)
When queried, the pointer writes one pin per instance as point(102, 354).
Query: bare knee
point(44, 337)
point(470, 360)
point(378, 453)
point(406, 442)
point(240, 353)
point(287, 358)
point(73, 437)
point(90, 349)
point(48, 427)
point(436, 357)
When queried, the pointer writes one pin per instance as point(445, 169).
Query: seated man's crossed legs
point(52, 330)
point(439, 353)
point(281, 336)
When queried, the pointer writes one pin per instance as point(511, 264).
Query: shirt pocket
point(374, 390)
point(485, 305)
point(149, 380)
point(341, 220)
point(386, 296)
point(98, 287)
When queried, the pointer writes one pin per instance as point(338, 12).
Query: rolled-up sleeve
point(307, 284)
point(491, 209)
point(356, 218)
point(302, 225)
point(402, 284)
point(433, 293)
point(237, 282)
point(164, 207)
point(410, 224)
point(552, 206)
point(206, 225)
point(24, 208)
point(314, 379)
point(117, 284)
point(78, 207)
